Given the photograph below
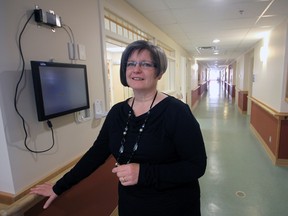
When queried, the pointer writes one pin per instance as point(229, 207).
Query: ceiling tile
point(194, 23)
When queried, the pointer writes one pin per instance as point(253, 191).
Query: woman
point(155, 139)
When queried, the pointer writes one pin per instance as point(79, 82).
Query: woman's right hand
point(46, 190)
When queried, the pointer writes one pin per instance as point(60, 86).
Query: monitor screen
point(60, 88)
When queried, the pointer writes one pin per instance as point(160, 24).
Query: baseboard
point(266, 148)
point(282, 162)
point(244, 112)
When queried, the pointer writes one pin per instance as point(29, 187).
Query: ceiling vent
point(207, 48)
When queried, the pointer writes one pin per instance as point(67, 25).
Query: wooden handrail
point(25, 201)
point(276, 114)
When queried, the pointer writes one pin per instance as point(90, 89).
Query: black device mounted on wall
point(60, 88)
point(47, 18)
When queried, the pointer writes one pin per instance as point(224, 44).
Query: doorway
point(117, 91)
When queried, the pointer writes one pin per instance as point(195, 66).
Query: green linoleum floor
point(237, 162)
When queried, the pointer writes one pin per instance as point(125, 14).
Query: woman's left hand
point(127, 173)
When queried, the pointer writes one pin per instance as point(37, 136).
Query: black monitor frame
point(60, 88)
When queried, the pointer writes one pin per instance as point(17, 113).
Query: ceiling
point(194, 24)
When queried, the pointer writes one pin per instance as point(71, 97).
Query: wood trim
point(20, 206)
point(282, 162)
point(195, 105)
point(126, 27)
point(278, 115)
point(242, 91)
point(8, 199)
point(266, 148)
point(242, 101)
point(26, 204)
point(96, 193)
point(242, 111)
point(115, 212)
point(202, 83)
point(278, 139)
point(195, 97)
point(196, 89)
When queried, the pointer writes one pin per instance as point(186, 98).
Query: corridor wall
point(269, 112)
point(19, 168)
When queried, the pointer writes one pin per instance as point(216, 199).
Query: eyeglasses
point(142, 64)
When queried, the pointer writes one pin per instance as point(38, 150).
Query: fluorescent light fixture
point(216, 41)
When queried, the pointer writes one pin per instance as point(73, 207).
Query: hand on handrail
point(46, 190)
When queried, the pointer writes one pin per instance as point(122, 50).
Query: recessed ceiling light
point(216, 41)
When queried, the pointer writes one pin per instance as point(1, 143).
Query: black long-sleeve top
point(170, 152)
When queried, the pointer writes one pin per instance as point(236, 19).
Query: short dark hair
point(157, 54)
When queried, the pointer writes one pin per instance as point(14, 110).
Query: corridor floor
point(240, 179)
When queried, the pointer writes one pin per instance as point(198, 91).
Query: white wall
point(40, 43)
point(194, 75)
point(248, 58)
point(128, 13)
point(6, 181)
point(5, 168)
point(20, 168)
point(268, 86)
point(284, 104)
point(240, 73)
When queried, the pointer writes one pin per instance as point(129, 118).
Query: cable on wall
point(70, 32)
point(16, 94)
point(72, 44)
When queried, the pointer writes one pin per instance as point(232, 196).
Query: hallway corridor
point(240, 179)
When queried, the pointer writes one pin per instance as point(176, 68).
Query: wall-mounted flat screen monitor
point(60, 88)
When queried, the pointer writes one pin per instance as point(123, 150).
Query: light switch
point(81, 52)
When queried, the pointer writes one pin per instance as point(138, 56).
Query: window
point(123, 28)
point(126, 31)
